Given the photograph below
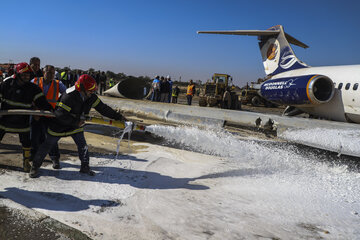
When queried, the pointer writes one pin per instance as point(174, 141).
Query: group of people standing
point(31, 88)
point(66, 76)
point(163, 90)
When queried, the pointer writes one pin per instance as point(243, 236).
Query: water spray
point(129, 126)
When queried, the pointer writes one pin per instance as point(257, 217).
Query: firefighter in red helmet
point(71, 111)
point(17, 92)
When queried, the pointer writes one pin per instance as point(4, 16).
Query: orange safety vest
point(190, 90)
point(53, 93)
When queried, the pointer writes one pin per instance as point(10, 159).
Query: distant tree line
point(115, 77)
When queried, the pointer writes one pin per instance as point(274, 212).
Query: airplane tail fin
point(276, 52)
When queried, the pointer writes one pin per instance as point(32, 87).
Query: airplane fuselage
point(345, 104)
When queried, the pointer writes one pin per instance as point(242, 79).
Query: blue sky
point(159, 37)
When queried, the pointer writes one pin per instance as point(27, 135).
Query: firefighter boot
point(55, 163)
point(34, 172)
point(26, 159)
point(86, 170)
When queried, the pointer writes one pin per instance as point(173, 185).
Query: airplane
point(330, 92)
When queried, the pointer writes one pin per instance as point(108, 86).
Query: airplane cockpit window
point(355, 87)
point(347, 86)
point(340, 86)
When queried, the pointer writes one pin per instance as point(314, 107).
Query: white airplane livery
point(330, 92)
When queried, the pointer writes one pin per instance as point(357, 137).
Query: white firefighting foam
point(339, 140)
point(218, 186)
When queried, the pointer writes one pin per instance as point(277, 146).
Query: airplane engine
point(298, 90)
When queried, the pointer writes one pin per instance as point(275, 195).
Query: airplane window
point(347, 86)
point(340, 86)
point(356, 85)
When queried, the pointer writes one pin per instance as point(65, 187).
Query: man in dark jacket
point(71, 111)
point(164, 90)
point(102, 83)
point(35, 66)
point(18, 92)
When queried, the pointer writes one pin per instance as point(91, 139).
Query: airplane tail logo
point(277, 54)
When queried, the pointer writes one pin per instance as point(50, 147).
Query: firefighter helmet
point(23, 68)
point(86, 83)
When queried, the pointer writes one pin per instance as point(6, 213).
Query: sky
point(148, 38)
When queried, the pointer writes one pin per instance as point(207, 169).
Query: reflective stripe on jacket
point(72, 108)
point(20, 96)
point(65, 134)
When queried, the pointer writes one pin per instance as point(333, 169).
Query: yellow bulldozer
point(214, 92)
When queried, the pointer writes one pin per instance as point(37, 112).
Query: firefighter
point(71, 112)
point(19, 93)
point(51, 89)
